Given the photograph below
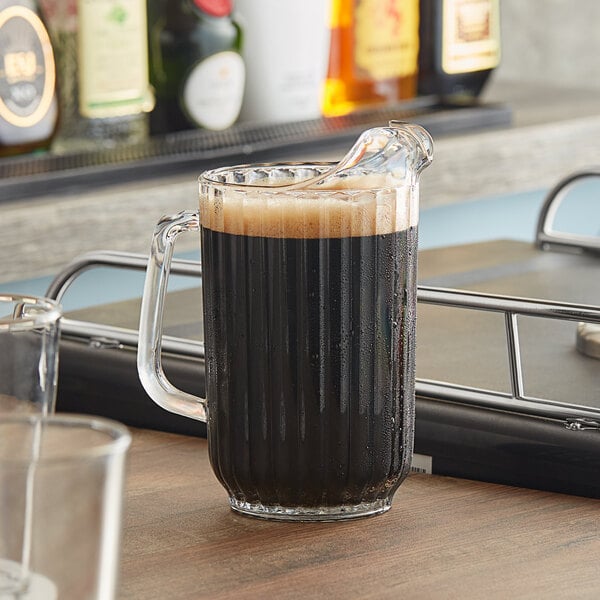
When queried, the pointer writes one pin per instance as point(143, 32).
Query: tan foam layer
point(310, 214)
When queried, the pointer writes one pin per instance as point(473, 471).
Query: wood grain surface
point(443, 538)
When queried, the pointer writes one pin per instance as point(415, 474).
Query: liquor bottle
point(373, 54)
point(28, 104)
point(460, 47)
point(102, 64)
point(195, 66)
point(286, 49)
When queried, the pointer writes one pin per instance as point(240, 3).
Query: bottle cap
point(215, 8)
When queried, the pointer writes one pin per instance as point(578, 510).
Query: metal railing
point(574, 417)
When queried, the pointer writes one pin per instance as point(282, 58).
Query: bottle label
point(27, 71)
point(386, 38)
point(470, 35)
point(113, 58)
point(213, 90)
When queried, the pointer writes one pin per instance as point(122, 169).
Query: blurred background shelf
point(552, 132)
point(175, 153)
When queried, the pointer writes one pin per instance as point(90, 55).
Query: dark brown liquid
point(307, 357)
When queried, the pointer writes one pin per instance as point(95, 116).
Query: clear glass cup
point(309, 301)
point(61, 489)
point(29, 337)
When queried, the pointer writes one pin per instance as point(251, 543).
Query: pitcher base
point(311, 513)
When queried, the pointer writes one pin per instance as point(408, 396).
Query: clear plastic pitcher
point(309, 289)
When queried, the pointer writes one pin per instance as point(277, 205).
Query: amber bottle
point(373, 54)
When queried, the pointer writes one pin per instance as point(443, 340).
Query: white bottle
point(286, 47)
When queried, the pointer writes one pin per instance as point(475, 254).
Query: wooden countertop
point(443, 538)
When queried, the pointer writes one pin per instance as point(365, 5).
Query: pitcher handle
point(149, 363)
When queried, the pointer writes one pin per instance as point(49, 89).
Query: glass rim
point(118, 437)
point(207, 176)
point(50, 312)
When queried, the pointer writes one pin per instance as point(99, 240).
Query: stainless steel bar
point(107, 335)
point(124, 260)
point(546, 237)
point(502, 304)
point(572, 416)
point(491, 399)
point(514, 355)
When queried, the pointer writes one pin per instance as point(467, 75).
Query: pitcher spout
point(422, 140)
point(382, 157)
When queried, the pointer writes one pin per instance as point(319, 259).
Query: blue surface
point(498, 217)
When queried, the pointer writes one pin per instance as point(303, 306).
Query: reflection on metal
point(583, 424)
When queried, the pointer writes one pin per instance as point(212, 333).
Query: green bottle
point(102, 63)
point(195, 65)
